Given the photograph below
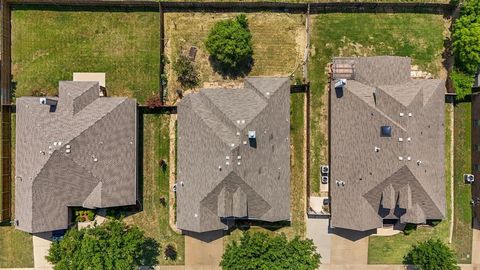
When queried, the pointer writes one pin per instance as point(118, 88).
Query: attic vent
point(385, 131)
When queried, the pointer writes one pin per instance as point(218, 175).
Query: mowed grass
point(154, 219)
point(462, 231)
point(16, 247)
point(392, 249)
point(419, 36)
point(297, 179)
point(278, 43)
point(49, 45)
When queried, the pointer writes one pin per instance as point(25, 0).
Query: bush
point(170, 252)
point(409, 228)
point(187, 75)
point(154, 102)
point(112, 245)
point(230, 42)
point(462, 83)
point(431, 255)
point(466, 37)
point(260, 251)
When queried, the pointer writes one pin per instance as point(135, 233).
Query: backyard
point(48, 45)
point(278, 43)
point(419, 36)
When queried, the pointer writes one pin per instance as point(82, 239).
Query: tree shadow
point(151, 251)
point(241, 70)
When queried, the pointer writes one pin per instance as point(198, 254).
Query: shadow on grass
point(241, 70)
point(151, 251)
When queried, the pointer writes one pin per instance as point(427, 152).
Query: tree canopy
point(260, 251)
point(466, 37)
point(112, 245)
point(432, 254)
point(230, 42)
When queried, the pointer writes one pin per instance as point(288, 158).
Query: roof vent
point(227, 163)
point(244, 142)
point(401, 114)
point(341, 83)
point(409, 114)
point(400, 158)
point(377, 149)
point(47, 101)
point(239, 157)
point(400, 139)
point(251, 134)
point(409, 139)
point(409, 158)
point(227, 157)
point(67, 151)
point(238, 163)
point(419, 162)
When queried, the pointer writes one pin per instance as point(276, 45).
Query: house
point(234, 155)
point(77, 150)
point(386, 144)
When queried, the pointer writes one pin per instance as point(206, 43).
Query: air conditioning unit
point(325, 169)
point(324, 179)
point(469, 178)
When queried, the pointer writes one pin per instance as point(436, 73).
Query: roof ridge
point(76, 136)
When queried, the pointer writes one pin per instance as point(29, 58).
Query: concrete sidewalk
point(41, 245)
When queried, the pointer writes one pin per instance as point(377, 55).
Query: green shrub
point(90, 214)
point(409, 228)
point(466, 37)
point(432, 254)
point(462, 83)
point(230, 42)
point(187, 75)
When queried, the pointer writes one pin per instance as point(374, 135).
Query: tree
point(230, 43)
point(462, 84)
point(432, 254)
point(187, 75)
point(260, 251)
point(112, 245)
point(466, 37)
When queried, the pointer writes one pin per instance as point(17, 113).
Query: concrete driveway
point(41, 245)
point(349, 248)
point(203, 251)
point(317, 230)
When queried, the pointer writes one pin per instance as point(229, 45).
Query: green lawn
point(49, 45)
point(462, 232)
point(392, 249)
point(154, 217)
point(16, 248)
point(419, 36)
point(297, 179)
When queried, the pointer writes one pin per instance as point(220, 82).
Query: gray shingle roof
point(221, 173)
point(405, 178)
point(81, 154)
